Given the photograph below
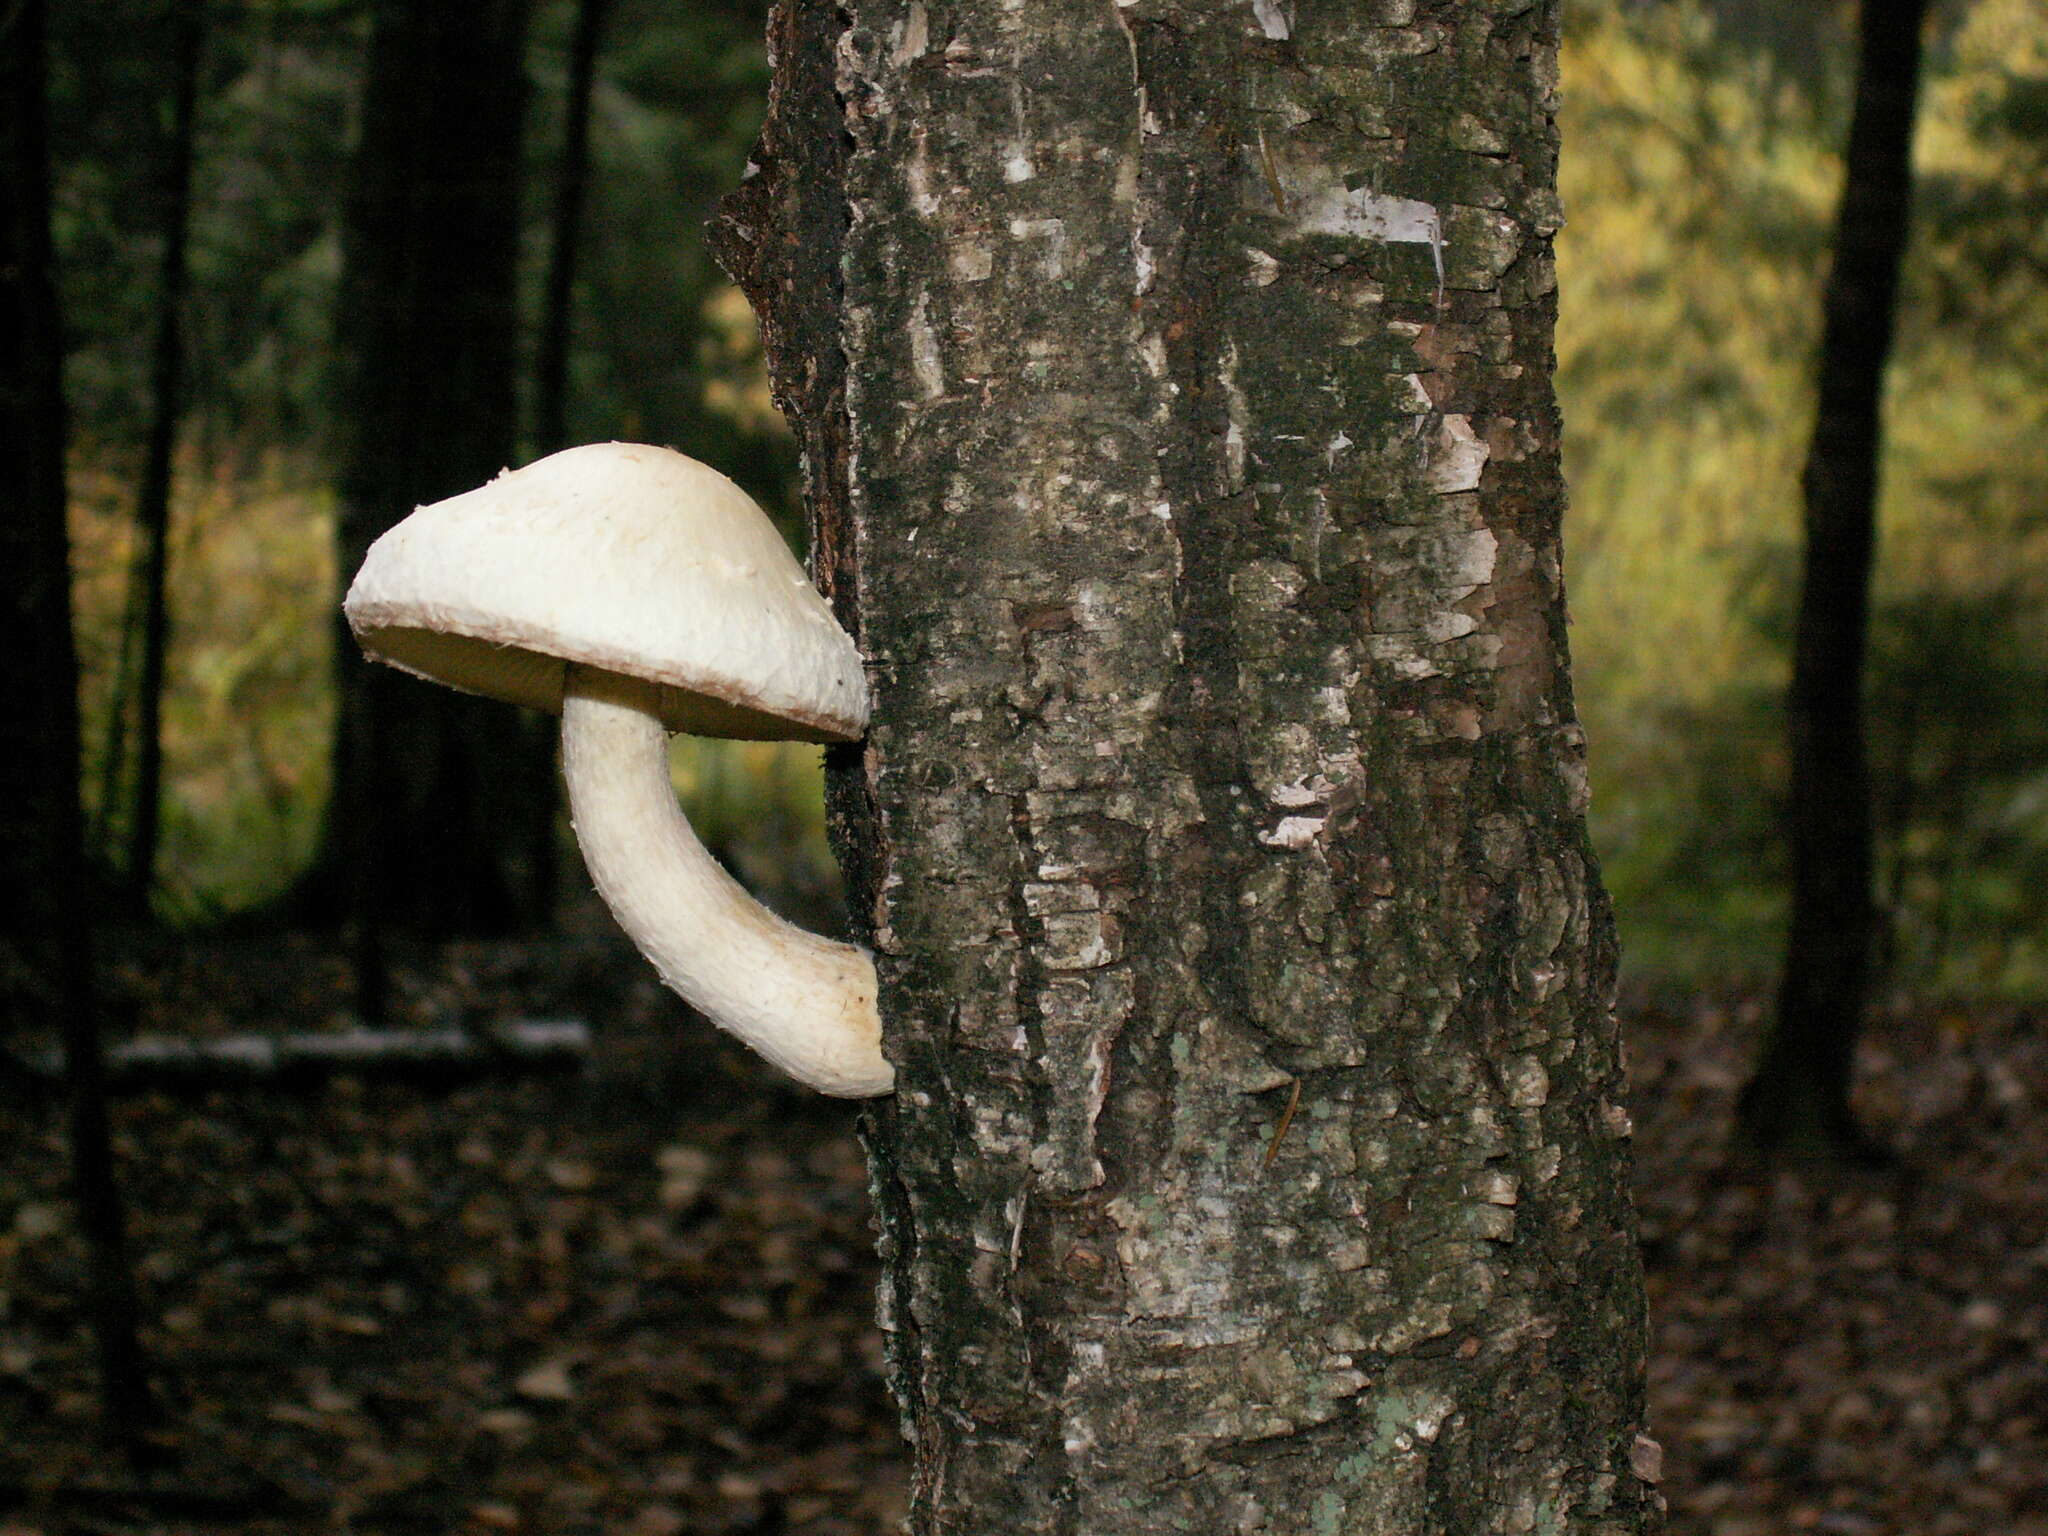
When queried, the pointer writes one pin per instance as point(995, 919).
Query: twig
point(1280, 1130)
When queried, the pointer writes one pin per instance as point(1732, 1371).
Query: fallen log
point(511, 1048)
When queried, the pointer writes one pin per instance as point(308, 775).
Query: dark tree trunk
point(572, 179)
point(433, 802)
point(46, 939)
point(153, 505)
point(551, 366)
point(1174, 382)
point(1799, 1097)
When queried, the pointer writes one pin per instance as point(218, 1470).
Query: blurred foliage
point(1701, 168)
point(665, 353)
point(250, 705)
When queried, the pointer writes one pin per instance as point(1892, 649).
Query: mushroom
point(636, 592)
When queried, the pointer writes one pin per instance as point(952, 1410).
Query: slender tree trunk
point(1182, 440)
point(572, 181)
point(153, 509)
point(42, 863)
point(551, 372)
point(433, 807)
point(1800, 1095)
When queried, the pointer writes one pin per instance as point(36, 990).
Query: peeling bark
point(1258, 1162)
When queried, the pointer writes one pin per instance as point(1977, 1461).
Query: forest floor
point(639, 1300)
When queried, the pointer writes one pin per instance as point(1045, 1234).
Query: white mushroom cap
point(622, 557)
point(635, 592)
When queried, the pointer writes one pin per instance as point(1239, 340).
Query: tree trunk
point(153, 504)
point(431, 813)
point(551, 365)
point(1799, 1097)
point(46, 939)
point(572, 180)
point(1175, 389)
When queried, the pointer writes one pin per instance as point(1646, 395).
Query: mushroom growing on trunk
point(636, 592)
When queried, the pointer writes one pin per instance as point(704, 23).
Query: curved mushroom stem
point(805, 1003)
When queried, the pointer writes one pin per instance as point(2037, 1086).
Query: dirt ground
point(639, 1300)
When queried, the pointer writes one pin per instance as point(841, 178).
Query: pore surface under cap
point(630, 558)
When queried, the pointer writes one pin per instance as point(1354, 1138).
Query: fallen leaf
point(547, 1382)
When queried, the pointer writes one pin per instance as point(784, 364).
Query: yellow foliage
point(1701, 185)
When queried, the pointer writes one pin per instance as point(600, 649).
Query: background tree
point(1800, 1092)
point(151, 592)
point(46, 939)
point(551, 363)
point(430, 792)
point(572, 184)
point(1192, 477)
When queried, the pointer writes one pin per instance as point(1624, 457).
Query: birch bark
point(1175, 386)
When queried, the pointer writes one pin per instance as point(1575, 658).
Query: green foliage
point(275, 116)
point(1701, 175)
point(678, 103)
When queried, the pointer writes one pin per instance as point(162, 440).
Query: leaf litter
point(640, 1300)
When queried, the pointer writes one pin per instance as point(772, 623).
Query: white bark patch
point(1233, 453)
point(1295, 832)
point(1017, 164)
point(1233, 436)
point(917, 174)
point(1424, 601)
point(913, 36)
point(1143, 268)
point(1475, 557)
point(1183, 1268)
point(971, 263)
point(1526, 1081)
point(924, 351)
point(1328, 207)
point(1496, 1186)
point(1274, 21)
point(1053, 263)
point(1127, 171)
point(999, 1132)
point(1457, 457)
point(1098, 1084)
point(1430, 1421)
point(1080, 941)
point(1016, 1210)
point(1041, 899)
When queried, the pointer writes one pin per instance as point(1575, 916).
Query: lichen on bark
point(1257, 1162)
